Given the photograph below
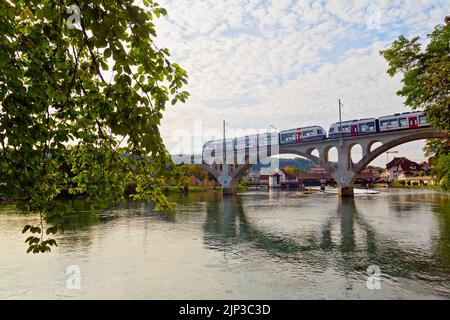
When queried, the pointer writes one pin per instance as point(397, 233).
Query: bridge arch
point(353, 148)
point(371, 144)
point(211, 169)
point(243, 168)
point(366, 160)
point(313, 151)
point(325, 156)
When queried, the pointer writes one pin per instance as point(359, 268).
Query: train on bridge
point(353, 128)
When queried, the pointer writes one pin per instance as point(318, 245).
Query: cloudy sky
point(286, 62)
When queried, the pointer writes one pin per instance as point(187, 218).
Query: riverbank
point(65, 194)
point(396, 185)
point(180, 189)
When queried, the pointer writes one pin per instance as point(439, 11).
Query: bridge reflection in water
point(278, 244)
point(345, 241)
point(336, 235)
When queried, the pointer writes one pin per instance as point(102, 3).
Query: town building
point(401, 168)
point(278, 179)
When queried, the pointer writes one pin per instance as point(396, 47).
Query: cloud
point(286, 63)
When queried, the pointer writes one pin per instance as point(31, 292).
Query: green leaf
point(26, 228)
point(52, 230)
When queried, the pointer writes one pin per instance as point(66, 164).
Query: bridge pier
point(229, 191)
point(346, 192)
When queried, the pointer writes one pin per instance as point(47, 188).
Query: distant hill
point(298, 163)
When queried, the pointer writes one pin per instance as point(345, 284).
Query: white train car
point(300, 135)
point(268, 139)
point(353, 128)
point(403, 121)
point(216, 146)
point(247, 142)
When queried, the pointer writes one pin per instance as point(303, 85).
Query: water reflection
point(226, 225)
point(357, 246)
point(315, 242)
point(346, 240)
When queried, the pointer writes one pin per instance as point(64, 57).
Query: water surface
point(258, 245)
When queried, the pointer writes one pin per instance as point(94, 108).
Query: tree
point(426, 85)
point(87, 74)
point(195, 171)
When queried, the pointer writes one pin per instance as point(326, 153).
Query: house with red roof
point(401, 168)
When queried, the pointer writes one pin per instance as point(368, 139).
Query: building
point(278, 179)
point(370, 173)
point(318, 171)
point(401, 168)
point(264, 179)
point(272, 180)
point(194, 181)
point(426, 165)
point(289, 179)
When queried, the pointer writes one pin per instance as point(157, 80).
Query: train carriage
point(353, 128)
point(399, 121)
point(216, 146)
point(300, 135)
point(247, 142)
point(268, 139)
point(403, 121)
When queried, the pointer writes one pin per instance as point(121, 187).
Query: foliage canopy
point(426, 85)
point(87, 74)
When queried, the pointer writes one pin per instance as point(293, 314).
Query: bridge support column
point(346, 192)
point(344, 174)
point(229, 191)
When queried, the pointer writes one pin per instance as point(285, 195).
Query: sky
point(285, 63)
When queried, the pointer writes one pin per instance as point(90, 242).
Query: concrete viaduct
point(344, 171)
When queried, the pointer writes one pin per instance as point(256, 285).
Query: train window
point(308, 133)
point(241, 142)
point(363, 127)
point(384, 123)
point(331, 130)
point(422, 120)
point(402, 122)
point(345, 128)
point(288, 137)
point(319, 131)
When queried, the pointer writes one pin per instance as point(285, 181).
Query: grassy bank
point(177, 189)
point(174, 189)
point(65, 195)
point(398, 185)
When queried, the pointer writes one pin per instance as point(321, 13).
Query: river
point(258, 245)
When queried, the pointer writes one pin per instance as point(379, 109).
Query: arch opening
point(412, 150)
point(374, 145)
point(376, 153)
point(295, 162)
point(314, 152)
point(355, 152)
point(331, 155)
